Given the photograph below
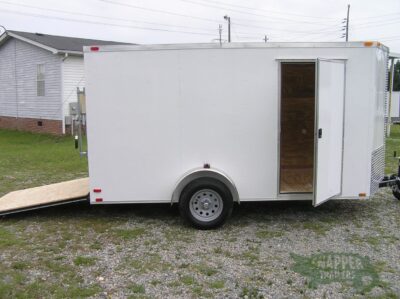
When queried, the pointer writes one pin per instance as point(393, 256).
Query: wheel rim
point(206, 205)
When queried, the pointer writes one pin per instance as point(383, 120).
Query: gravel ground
point(265, 250)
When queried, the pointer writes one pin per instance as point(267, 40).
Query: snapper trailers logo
point(325, 268)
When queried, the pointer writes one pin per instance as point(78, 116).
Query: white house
point(395, 107)
point(39, 76)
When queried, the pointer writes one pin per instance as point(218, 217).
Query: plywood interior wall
point(297, 127)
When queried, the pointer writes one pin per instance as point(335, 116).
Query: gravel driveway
point(266, 250)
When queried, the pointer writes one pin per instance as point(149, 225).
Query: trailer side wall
point(155, 114)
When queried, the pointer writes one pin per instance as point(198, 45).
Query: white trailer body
point(159, 116)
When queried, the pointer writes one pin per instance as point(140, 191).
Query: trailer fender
point(204, 173)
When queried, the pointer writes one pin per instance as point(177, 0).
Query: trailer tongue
point(45, 196)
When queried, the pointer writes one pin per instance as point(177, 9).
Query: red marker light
point(94, 49)
point(99, 199)
point(96, 190)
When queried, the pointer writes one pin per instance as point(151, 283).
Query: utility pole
point(347, 22)
point(346, 28)
point(220, 34)
point(265, 39)
point(229, 27)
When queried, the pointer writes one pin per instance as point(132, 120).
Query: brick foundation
point(32, 125)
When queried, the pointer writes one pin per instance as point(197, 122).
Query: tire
point(205, 203)
point(396, 192)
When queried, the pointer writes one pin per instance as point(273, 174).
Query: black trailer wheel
point(205, 203)
point(396, 192)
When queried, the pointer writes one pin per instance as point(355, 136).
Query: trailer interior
point(297, 125)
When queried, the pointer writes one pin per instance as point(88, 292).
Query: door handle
point(319, 133)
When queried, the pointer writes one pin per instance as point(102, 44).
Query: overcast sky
point(187, 21)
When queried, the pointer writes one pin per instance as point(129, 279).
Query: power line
point(284, 30)
point(268, 11)
point(159, 11)
point(110, 18)
point(247, 13)
point(357, 27)
point(269, 20)
point(145, 22)
point(376, 22)
point(101, 17)
point(315, 36)
point(103, 23)
point(244, 35)
point(379, 16)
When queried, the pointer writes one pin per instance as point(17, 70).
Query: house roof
point(55, 43)
point(394, 55)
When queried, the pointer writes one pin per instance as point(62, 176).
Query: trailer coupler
point(393, 180)
point(390, 181)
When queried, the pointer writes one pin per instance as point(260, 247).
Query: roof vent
point(39, 34)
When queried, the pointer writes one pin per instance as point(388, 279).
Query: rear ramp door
point(329, 129)
point(45, 196)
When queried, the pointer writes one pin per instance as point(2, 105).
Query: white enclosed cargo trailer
point(206, 125)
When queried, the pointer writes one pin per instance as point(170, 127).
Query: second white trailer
point(206, 125)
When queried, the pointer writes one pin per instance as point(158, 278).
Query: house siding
point(73, 76)
point(8, 92)
point(29, 104)
point(20, 107)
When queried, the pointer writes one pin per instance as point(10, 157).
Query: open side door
point(329, 116)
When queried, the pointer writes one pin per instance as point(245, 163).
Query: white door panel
point(329, 129)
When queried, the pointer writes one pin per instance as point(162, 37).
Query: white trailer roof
point(118, 48)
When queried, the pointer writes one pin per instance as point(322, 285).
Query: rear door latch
point(319, 133)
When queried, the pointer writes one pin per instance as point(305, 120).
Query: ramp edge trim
point(45, 205)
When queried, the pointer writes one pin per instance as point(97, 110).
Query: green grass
point(128, 234)
point(218, 284)
point(250, 293)
point(20, 265)
point(205, 270)
point(16, 283)
point(317, 227)
point(150, 262)
point(7, 239)
point(266, 234)
point(84, 261)
point(28, 160)
point(137, 288)
point(392, 144)
point(187, 280)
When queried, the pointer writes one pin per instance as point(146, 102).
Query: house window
point(40, 82)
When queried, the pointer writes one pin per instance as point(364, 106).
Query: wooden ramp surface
point(43, 196)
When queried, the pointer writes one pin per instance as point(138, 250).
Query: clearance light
point(94, 49)
point(99, 199)
point(368, 44)
point(362, 194)
point(96, 190)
